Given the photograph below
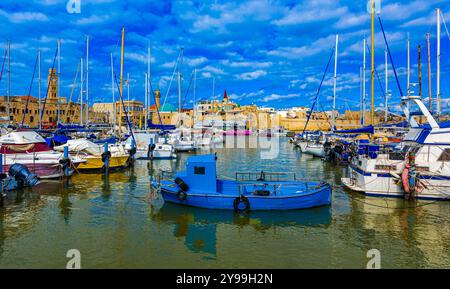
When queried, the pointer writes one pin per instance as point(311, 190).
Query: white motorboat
point(148, 146)
point(420, 169)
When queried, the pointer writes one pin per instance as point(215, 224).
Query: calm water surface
point(110, 221)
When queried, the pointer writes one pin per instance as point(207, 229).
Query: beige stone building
point(27, 109)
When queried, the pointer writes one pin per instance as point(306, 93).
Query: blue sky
point(271, 53)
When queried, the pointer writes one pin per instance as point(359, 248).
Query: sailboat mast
point(39, 87)
point(59, 81)
point(386, 112)
point(179, 82)
point(87, 79)
point(9, 82)
point(113, 93)
point(430, 96)
point(334, 84)
point(149, 62)
point(408, 68)
point(81, 91)
point(438, 85)
point(419, 51)
point(360, 92)
point(195, 91)
point(128, 91)
point(363, 112)
point(146, 100)
point(372, 74)
point(122, 52)
point(213, 87)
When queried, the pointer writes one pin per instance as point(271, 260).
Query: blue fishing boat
point(198, 186)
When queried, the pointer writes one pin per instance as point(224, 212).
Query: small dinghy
point(198, 186)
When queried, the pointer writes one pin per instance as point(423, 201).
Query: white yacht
point(312, 145)
point(149, 146)
point(182, 142)
point(419, 169)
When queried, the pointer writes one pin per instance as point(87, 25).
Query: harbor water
point(110, 221)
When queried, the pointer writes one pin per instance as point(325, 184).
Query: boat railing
point(264, 176)
point(275, 189)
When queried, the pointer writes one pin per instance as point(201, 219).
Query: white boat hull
point(315, 150)
point(391, 186)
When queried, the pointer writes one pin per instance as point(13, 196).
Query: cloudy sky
point(272, 53)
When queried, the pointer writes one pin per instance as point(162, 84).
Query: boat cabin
point(200, 173)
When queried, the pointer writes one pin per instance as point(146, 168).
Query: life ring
point(405, 178)
point(182, 196)
point(241, 204)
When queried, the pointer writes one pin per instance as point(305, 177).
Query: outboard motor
point(21, 173)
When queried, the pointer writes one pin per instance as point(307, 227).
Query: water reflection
point(198, 226)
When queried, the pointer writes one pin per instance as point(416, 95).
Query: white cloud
point(253, 64)
point(251, 75)
point(142, 58)
point(94, 19)
point(231, 13)
point(274, 97)
point(311, 11)
point(315, 48)
point(20, 17)
point(213, 70)
point(195, 61)
point(246, 95)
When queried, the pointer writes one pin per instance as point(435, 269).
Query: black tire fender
point(237, 204)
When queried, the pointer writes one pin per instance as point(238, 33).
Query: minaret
point(53, 85)
point(158, 98)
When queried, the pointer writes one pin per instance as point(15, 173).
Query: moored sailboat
point(30, 149)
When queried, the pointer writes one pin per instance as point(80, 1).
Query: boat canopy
point(22, 137)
